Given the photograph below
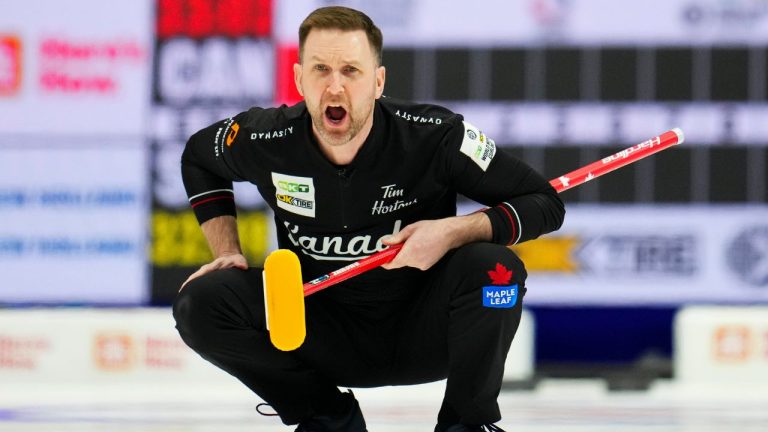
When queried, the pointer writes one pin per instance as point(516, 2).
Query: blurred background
point(98, 98)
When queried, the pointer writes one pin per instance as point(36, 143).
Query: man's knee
point(198, 307)
point(190, 310)
point(490, 263)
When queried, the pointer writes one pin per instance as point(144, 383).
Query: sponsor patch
point(477, 146)
point(292, 200)
point(295, 194)
point(501, 294)
point(500, 275)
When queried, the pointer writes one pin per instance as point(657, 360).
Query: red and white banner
point(76, 68)
point(91, 346)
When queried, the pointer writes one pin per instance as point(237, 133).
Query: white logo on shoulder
point(477, 146)
point(295, 194)
point(418, 119)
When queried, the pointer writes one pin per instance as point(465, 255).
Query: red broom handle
point(617, 160)
point(562, 183)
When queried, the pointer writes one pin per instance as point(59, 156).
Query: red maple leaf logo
point(500, 276)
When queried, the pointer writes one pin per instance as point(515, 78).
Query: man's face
point(340, 80)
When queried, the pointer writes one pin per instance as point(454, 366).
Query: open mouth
point(335, 114)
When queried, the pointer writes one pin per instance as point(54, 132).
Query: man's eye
point(350, 69)
point(321, 68)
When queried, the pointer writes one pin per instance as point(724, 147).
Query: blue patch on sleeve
point(500, 296)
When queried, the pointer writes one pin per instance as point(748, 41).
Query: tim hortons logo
point(387, 205)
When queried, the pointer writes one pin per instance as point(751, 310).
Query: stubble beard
point(332, 139)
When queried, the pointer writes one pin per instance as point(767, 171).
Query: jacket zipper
point(343, 182)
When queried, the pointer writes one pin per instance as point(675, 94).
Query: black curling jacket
point(414, 163)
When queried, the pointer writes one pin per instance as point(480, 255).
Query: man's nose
point(336, 84)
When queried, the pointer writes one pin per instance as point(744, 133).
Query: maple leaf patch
point(500, 276)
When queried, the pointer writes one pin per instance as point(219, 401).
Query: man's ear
point(381, 75)
point(297, 78)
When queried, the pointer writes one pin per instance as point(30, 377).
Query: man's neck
point(341, 154)
point(344, 154)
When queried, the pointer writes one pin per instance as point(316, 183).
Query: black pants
point(458, 325)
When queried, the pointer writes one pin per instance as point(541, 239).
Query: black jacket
point(415, 161)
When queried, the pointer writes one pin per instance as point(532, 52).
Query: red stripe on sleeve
point(511, 222)
point(212, 199)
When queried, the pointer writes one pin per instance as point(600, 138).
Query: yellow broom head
point(284, 300)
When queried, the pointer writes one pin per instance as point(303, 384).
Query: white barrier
point(724, 345)
point(96, 346)
point(520, 359)
point(117, 346)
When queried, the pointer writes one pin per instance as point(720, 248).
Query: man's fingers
point(399, 260)
point(391, 239)
point(201, 271)
point(391, 265)
point(398, 237)
point(237, 261)
point(194, 275)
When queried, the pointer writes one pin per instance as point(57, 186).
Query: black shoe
point(465, 428)
point(350, 421)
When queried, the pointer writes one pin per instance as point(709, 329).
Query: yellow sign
point(549, 254)
point(178, 241)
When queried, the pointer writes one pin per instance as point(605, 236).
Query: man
point(348, 172)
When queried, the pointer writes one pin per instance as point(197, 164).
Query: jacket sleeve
point(522, 204)
point(206, 175)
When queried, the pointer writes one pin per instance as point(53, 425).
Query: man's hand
point(223, 262)
point(427, 241)
point(221, 233)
